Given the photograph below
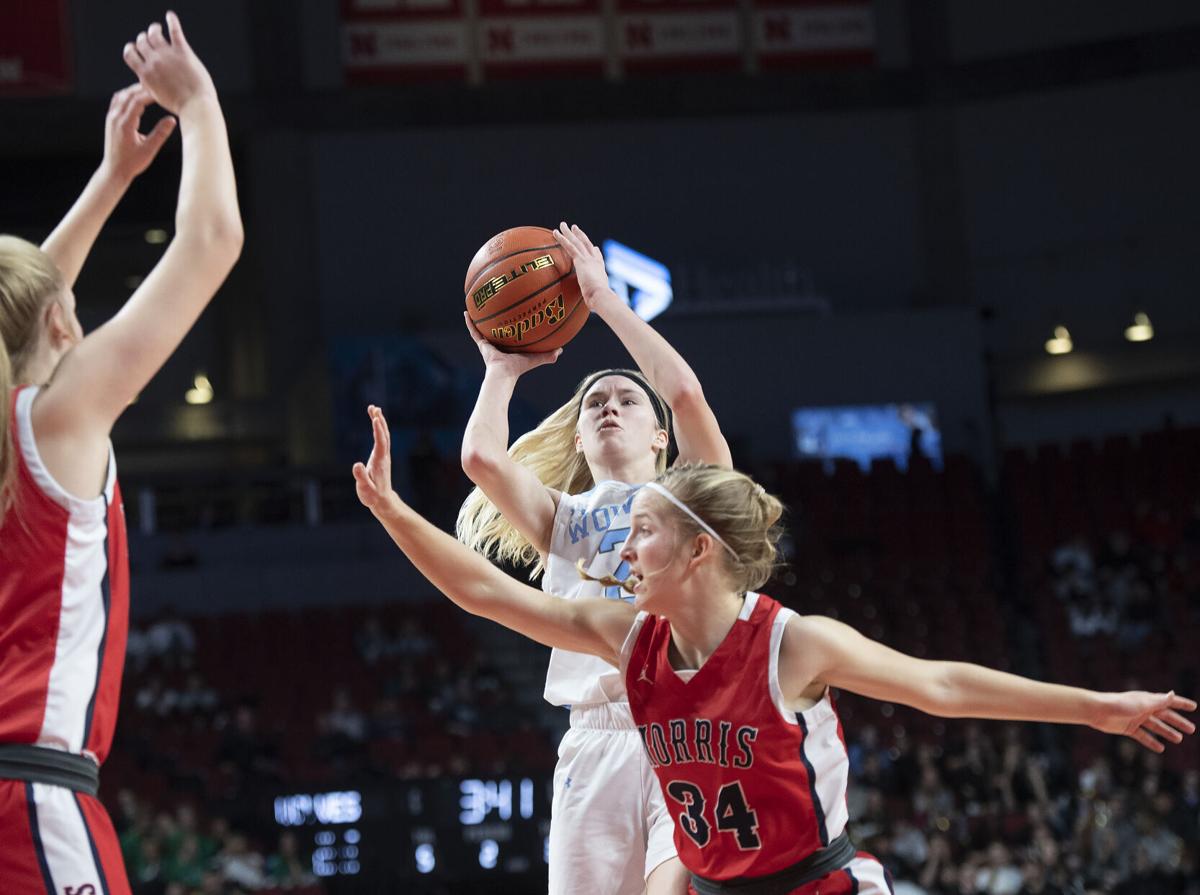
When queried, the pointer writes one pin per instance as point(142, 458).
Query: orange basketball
point(522, 294)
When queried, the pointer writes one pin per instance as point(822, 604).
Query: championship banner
point(800, 34)
point(385, 41)
point(528, 37)
point(35, 50)
point(660, 35)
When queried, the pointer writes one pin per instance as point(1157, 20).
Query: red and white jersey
point(753, 788)
point(64, 604)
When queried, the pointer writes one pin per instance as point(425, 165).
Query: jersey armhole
point(630, 641)
point(781, 619)
point(31, 457)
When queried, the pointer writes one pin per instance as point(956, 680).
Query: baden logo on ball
point(522, 293)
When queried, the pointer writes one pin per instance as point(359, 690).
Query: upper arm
point(817, 652)
point(697, 433)
point(518, 494)
point(105, 372)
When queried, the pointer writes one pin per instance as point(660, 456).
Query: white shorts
point(609, 826)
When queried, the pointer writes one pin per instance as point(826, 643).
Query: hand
point(169, 70)
point(514, 363)
point(1147, 717)
point(127, 151)
point(589, 264)
point(373, 481)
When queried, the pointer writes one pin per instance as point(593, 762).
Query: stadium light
point(1061, 343)
point(201, 391)
point(1140, 330)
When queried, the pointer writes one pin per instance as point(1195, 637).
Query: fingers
point(1177, 720)
point(154, 36)
point(176, 30)
point(133, 59)
point(143, 45)
point(567, 239)
point(379, 426)
point(475, 334)
point(1157, 726)
point(583, 238)
point(1148, 741)
point(161, 131)
point(1181, 702)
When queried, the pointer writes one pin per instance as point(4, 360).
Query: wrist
point(201, 104)
point(108, 176)
point(602, 300)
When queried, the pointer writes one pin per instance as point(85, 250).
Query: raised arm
point(818, 652)
point(697, 433)
point(512, 487)
point(127, 153)
point(98, 379)
point(597, 627)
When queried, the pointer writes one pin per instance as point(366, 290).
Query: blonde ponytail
point(29, 280)
point(549, 451)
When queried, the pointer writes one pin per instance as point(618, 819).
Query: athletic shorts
point(58, 842)
point(609, 826)
point(863, 876)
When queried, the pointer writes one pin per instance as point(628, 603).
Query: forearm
point(71, 241)
point(207, 212)
point(465, 577)
point(663, 366)
point(486, 434)
point(972, 691)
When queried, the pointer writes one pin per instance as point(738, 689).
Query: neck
point(616, 469)
point(700, 624)
point(40, 367)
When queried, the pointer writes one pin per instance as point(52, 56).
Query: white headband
point(659, 489)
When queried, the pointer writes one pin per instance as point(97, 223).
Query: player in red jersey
point(730, 690)
point(64, 575)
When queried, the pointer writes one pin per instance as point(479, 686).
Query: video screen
point(867, 431)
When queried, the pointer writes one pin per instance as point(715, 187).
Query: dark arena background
point(934, 263)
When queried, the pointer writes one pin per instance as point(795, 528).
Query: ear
point(661, 440)
point(702, 546)
point(55, 320)
point(578, 442)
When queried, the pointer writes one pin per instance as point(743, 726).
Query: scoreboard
point(360, 840)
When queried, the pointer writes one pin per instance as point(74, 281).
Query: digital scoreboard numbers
point(454, 829)
point(336, 837)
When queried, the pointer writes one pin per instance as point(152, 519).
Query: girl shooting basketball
point(730, 691)
point(64, 577)
point(561, 496)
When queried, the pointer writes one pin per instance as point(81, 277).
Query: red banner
point(656, 35)
point(399, 40)
point(799, 34)
point(541, 36)
point(35, 49)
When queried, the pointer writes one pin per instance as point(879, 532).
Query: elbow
point(478, 463)
point(685, 396)
point(218, 241)
point(942, 695)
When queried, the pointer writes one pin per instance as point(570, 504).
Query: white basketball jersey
point(591, 526)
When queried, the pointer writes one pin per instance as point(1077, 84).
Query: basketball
point(521, 291)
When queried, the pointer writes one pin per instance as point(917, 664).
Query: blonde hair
point(29, 280)
point(549, 451)
point(737, 508)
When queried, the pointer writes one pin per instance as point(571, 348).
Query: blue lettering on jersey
point(613, 539)
point(581, 523)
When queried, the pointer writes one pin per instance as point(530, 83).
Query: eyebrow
point(622, 392)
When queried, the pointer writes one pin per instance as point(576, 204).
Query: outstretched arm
point(513, 488)
point(597, 627)
point(697, 434)
point(127, 153)
point(818, 652)
point(98, 379)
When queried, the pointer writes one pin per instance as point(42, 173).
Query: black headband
point(662, 413)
